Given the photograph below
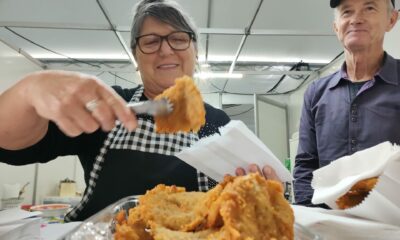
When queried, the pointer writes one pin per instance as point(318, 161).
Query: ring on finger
point(92, 105)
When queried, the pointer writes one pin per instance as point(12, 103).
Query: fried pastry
point(240, 208)
point(188, 112)
point(357, 193)
point(251, 207)
point(173, 207)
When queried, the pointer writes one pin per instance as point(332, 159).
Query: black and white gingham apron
point(144, 139)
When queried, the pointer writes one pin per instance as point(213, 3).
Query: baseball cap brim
point(335, 3)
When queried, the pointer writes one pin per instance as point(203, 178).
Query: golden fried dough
point(252, 208)
point(188, 108)
point(172, 207)
point(131, 229)
point(357, 193)
point(240, 208)
point(162, 233)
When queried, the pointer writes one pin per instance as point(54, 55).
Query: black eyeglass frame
point(192, 37)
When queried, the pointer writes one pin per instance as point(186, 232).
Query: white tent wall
point(13, 66)
point(271, 125)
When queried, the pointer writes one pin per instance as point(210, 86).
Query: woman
point(63, 113)
point(52, 113)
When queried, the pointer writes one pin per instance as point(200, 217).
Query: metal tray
point(101, 225)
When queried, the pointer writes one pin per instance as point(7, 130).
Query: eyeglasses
point(178, 41)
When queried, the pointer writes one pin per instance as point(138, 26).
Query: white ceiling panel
point(255, 84)
point(295, 15)
point(197, 10)
point(223, 47)
point(259, 84)
point(291, 49)
point(121, 14)
point(232, 13)
point(73, 43)
point(80, 12)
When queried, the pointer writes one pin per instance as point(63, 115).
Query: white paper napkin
point(335, 224)
point(383, 202)
point(237, 146)
point(15, 214)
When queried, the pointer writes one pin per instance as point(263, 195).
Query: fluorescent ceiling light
point(83, 56)
point(207, 75)
point(222, 58)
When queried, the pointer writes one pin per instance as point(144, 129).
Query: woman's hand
point(267, 171)
point(77, 103)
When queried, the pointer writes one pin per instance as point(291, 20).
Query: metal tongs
point(157, 107)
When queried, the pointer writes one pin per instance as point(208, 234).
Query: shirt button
point(353, 149)
point(354, 119)
point(353, 141)
point(354, 112)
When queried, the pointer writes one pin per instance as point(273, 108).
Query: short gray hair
point(390, 8)
point(166, 11)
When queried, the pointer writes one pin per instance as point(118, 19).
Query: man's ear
point(335, 28)
point(392, 20)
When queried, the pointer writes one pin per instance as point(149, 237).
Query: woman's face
point(160, 69)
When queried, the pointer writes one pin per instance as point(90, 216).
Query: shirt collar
point(388, 72)
point(337, 76)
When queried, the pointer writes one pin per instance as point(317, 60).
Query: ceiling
point(263, 40)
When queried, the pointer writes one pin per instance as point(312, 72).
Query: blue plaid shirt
point(334, 124)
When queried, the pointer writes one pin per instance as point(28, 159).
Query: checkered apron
point(144, 139)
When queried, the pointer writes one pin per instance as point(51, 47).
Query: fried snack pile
point(188, 108)
point(239, 208)
point(357, 193)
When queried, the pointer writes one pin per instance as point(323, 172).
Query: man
point(358, 106)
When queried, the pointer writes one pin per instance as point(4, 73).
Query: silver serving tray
point(101, 226)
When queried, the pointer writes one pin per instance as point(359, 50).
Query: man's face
point(361, 24)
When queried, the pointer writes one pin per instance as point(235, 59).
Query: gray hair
point(166, 11)
point(390, 9)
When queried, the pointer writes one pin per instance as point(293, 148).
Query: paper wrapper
point(337, 224)
point(383, 202)
point(237, 146)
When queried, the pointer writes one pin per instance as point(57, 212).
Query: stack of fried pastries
point(357, 193)
point(188, 108)
point(247, 207)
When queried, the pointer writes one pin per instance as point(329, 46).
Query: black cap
point(335, 3)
